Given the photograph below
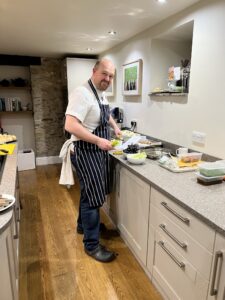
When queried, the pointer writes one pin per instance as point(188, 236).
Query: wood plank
point(53, 264)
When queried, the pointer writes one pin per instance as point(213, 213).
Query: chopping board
point(8, 147)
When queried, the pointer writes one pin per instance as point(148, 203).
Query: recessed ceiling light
point(89, 49)
point(161, 1)
point(112, 32)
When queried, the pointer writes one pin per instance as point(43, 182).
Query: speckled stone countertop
point(8, 186)
point(205, 202)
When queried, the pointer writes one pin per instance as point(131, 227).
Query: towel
point(66, 176)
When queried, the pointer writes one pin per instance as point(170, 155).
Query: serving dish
point(137, 158)
point(6, 201)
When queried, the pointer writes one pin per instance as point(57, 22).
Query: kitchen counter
point(8, 186)
point(205, 202)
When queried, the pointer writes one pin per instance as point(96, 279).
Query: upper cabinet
point(171, 61)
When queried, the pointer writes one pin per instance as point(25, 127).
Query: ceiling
point(53, 28)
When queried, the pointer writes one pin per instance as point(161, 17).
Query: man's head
point(103, 73)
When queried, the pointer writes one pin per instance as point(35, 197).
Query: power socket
point(133, 123)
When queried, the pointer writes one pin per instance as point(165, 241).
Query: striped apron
point(92, 163)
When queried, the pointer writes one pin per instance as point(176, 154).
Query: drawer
point(198, 230)
point(190, 249)
point(175, 274)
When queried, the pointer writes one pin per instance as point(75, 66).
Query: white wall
point(79, 70)
point(174, 119)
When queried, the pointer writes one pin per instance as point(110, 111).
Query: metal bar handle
point(181, 244)
point(213, 290)
point(16, 235)
point(183, 219)
point(179, 263)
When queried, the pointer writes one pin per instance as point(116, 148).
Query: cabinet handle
point(16, 235)
point(181, 244)
point(179, 263)
point(183, 219)
point(213, 290)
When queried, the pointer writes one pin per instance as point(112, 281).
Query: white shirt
point(84, 106)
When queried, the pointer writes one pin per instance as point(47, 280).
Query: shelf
point(17, 112)
point(12, 87)
point(163, 94)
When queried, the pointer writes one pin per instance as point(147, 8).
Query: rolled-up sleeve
point(78, 105)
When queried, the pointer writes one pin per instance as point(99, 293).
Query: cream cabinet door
point(217, 282)
point(111, 204)
point(8, 265)
point(133, 212)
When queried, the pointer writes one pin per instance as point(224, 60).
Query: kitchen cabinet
point(111, 204)
point(133, 212)
point(8, 270)
point(180, 250)
point(217, 282)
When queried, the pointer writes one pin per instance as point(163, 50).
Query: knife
point(4, 151)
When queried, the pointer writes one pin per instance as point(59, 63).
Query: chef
point(88, 119)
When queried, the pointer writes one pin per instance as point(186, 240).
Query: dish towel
point(66, 175)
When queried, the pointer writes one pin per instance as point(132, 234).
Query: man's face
point(103, 75)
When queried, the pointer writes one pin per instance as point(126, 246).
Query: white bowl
point(135, 161)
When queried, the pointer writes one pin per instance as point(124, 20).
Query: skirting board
point(48, 160)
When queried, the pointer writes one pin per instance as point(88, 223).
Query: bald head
point(103, 73)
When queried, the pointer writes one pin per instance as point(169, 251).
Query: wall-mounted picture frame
point(132, 78)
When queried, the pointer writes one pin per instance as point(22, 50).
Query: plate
point(10, 200)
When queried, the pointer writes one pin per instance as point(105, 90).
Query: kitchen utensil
point(4, 151)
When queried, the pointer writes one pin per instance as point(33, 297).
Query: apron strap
point(94, 91)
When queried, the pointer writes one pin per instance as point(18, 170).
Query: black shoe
point(101, 254)
point(102, 228)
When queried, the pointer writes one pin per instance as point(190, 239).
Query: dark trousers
point(89, 217)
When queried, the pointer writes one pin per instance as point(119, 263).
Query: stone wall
point(49, 102)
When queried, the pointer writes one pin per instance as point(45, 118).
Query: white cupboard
point(217, 282)
point(133, 212)
point(179, 263)
point(182, 255)
point(8, 271)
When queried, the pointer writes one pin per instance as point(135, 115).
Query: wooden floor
point(53, 265)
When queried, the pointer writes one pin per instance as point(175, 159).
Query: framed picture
point(132, 76)
point(110, 90)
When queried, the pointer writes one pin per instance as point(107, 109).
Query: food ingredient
point(133, 148)
point(118, 152)
point(115, 143)
point(140, 155)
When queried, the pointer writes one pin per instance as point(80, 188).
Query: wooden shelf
point(167, 94)
point(12, 87)
point(17, 112)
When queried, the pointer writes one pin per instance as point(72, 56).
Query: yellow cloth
point(8, 147)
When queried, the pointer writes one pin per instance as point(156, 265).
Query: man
point(88, 119)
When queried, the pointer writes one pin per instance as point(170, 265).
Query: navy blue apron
point(92, 162)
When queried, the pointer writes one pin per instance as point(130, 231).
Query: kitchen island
point(174, 226)
point(9, 232)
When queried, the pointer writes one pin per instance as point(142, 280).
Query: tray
point(10, 202)
point(179, 170)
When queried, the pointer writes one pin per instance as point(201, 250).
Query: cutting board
point(8, 147)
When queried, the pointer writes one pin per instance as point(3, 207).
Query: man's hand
point(117, 132)
point(104, 144)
